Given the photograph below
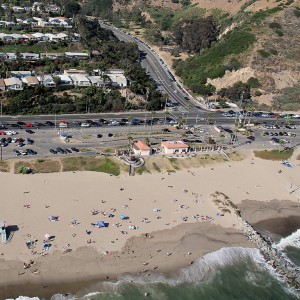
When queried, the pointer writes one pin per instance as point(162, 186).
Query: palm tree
point(152, 114)
point(129, 123)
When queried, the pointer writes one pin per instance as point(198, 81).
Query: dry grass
point(274, 154)
point(97, 164)
point(4, 166)
point(39, 166)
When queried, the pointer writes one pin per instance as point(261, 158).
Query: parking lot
point(38, 140)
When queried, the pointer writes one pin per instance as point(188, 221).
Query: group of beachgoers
point(103, 217)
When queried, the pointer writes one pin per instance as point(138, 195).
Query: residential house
point(141, 149)
point(10, 24)
point(65, 79)
point(52, 37)
point(21, 74)
point(174, 147)
point(46, 80)
point(51, 55)
point(97, 81)
point(80, 80)
point(6, 38)
point(77, 55)
point(62, 36)
point(30, 80)
point(116, 76)
point(74, 71)
point(30, 56)
point(17, 9)
point(2, 85)
point(40, 36)
point(13, 83)
point(19, 37)
point(11, 56)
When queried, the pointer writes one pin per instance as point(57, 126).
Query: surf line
point(285, 268)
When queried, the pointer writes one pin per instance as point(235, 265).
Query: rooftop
point(141, 146)
point(174, 144)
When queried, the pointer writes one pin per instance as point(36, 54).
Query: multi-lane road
point(159, 71)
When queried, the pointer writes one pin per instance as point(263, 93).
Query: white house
point(77, 55)
point(13, 83)
point(40, 36)
point(97, 81)
point(52, 37)
point(46, 80)
point(80, 80)
point(65, 79)
point(141, 149)
point(21, 74)
point(62, 36)
point(30, 56)
point(11, 56)
point(173, 147)
point(116, 76)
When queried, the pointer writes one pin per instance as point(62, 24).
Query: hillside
point(257, 39)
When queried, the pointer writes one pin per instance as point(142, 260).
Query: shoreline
point(199, 238)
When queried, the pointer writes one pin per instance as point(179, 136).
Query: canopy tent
point(101, 224)
point(123, 217)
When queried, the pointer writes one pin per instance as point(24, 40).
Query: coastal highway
point(158, 71)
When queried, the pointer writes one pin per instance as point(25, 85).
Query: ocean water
point(227, 274)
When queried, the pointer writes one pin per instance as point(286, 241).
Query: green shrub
point(279, 32)
point(257, 93)
point(264, 53)
point(253, 82)
point(24, 170)
point(263, 14)
point(273, 51)
point(297, 13)
point(275, 25)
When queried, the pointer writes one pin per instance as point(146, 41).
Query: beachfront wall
point(174, 147)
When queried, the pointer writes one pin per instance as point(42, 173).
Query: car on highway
point(63, 125)
point(85, 125)
point(15, 126)
point(74, 149)
point(20, 123)
point(99, 135)
point(166, 130)
point(49, 123)
point(28, 125)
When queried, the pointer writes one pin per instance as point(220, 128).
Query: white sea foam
point(291, 240)
point(25, 298)
point(201, 267)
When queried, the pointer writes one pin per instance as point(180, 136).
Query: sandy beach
point(171, 221)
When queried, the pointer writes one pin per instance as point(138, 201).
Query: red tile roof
point(174, 144)
point(141, 146)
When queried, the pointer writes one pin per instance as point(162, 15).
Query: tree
point(194, 35)
point(71, 8)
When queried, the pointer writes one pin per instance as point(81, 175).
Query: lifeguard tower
point(3, 232)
